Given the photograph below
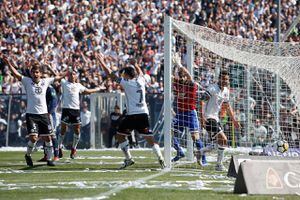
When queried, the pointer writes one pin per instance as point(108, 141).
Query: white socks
point(157, 152)
point(48, 150)
point(76, 139)
point(30, 147)
point(220, 156)
point(60, 140)
point(125, 148)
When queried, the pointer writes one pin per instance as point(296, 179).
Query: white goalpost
point(264, 84)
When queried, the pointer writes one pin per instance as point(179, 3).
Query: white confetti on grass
point(189, 185)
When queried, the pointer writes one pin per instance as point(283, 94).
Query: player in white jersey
point(137, 116)
point(37, 119)
point(216, 97)
point(71, 90)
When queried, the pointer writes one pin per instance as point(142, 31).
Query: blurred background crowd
point(68, 33)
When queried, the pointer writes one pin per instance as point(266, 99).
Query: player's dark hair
point(130, 71)
point(35, 67)
point(223, 73)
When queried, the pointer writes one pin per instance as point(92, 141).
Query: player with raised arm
point(137, 116)
point(37, 118)
point(71, 90)
point(216, 97)
point(185, 92)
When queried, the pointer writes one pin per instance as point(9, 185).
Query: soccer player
point(52, 103)
point(137, 116)
point(37, 119)
point(71, 109)
point(185, 92)
point(217, 97)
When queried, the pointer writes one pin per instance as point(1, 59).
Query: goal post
point(264, 82)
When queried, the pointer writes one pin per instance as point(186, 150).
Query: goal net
point(264, 85)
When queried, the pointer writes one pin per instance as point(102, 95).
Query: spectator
point(260, 133)
point(85, 116)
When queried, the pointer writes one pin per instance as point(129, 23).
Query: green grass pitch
point(95, 175)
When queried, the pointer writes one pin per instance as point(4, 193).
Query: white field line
point(229, 150)
point(135, 183)
point(10, 171)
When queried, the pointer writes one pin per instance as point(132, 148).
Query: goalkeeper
point(185, 91)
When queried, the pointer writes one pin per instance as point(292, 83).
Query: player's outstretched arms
point(11, 67)
point(61, 76)
point(57, 76)
point(136, 67)
point(90, 91)
point(107, 70)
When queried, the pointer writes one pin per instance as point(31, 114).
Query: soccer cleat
point(73, 153)
point(28, 160)
point(162, 163)
point(201, 160)
point(127, 163)
point(220, 167)
point(55, 158)
point(50, 163)
point(44, 159)
point(60, 153)
point(179, 155)
point(204, 161)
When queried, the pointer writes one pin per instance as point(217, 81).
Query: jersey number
point(141, 95)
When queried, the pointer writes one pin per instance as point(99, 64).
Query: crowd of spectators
point(68, 33)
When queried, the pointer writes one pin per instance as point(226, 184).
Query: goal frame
point(169, 27)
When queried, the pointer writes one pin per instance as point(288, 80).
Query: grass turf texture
point(95, 174)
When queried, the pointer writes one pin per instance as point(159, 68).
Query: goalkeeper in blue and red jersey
point(185, 92)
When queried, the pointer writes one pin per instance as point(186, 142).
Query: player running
point(137, 116)
point(217, 96)
point(37, 119)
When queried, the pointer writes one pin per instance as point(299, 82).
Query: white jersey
point(36, 94)
point(217, 97)
point(70, 94)
point(135, 92)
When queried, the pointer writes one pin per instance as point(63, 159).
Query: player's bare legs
point(220, 140)
point(76, 138)
point(61, 137)
point(31, 145)
point(222, 143)
point(156, 150)
point(48, 148)
point(124, 145)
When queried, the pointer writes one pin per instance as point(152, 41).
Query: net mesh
point(252, 67)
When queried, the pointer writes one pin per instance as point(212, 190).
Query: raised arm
point(136, 66)
point(106, 69)
point(12, 68)
point(185, 73)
